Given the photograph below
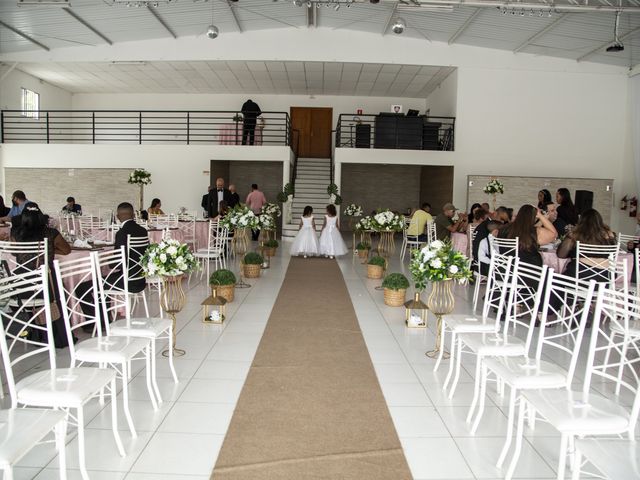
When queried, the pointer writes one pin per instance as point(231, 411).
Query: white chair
point(64, 389)
point(505, 246)
point(432, 235)
point(623, 241)
point(187, 226)
point(614, 459)
point(471, 236)
point(560, 334)
point(596, 262)
point(111, 351)
point(586, 413)
point(409, 242)
point(114, 300)
point(216, 249)
point(24, 256)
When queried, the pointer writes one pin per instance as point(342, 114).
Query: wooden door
point(314, 131)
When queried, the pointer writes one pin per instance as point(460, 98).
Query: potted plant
point(269, 247)
point(375, 267)
point(251, 264)
point(395, 287)
point(225, 283)
point(363, 249)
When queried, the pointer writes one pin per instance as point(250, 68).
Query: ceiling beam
point(24, 35)
point(161, 20)
point(6, 74)
point(311, 16)
point(234, 15)
point(536, 36)
point(604, 45)
point(88, 25)
point(634, 71)
point(390, 19)
point(464, 26)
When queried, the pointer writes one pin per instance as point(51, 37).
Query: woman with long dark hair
point(532, 229)
point(472, 210)
point(4, 210)
point(567, 213)
point(544, 199)
point(590, 230)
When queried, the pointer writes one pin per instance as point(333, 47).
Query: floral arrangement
point(139, 177)
point(494, 186)
point(283, 196)
point(271, 209)
point(437, 262)
point(240, 216)
point(266, 222)
point(353, 210)
point(364, 224)
point(237, 117)
point(332, 191)
point(168, 258)
point(386, 221)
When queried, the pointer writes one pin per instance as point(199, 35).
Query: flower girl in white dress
point(331, 243)
point(306, 241)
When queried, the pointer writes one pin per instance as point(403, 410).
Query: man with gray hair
point(445, 226)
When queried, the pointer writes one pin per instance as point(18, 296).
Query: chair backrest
point(212, 241)
point(623, 240)
point(613, 349)
point(32, 290)
point(431, 232)
point(621, 275)
point(24, 256)
point(636, 262)
point(136, 247)
point(113, 281)
point(471, 235)
point(78, 291)
point(568, 302)
point(504, 246)
point(164, 221)
point(523, 303)
point(187, 226)
point(500, 271)
point(597, 262)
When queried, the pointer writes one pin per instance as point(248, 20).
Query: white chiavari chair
point(596, 262)
point(82, 303)
point(504, 246)
point(576, 414)
point(65, 390)
point(187, 226)
point(624, 240)
point(115, 301)
point(216, 249)
point(409, 242)
point(136, 247)
point(431, 232)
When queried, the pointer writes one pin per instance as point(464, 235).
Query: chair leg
point(454, 384)
point(154, 375)
point(81, 447)
point(476, 388)
point(476, 292)
point(577, 465)
point(125, 400)
point(114, 418)
point(509, 436)
point(483, 394)
point(145, 304)
point(152, 395)
point(518, 447)
point(562, 461)
point(173, 369)
point(61, 435)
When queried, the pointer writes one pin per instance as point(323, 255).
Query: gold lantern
point(213, 308)
point(416, 312)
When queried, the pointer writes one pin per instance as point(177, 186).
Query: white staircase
point(313, 176)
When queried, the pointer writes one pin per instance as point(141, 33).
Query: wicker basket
point(251, 270)
point(394, 298)
point(374, 271)
point(225, 291)
point(269, 251)
point(363, 253)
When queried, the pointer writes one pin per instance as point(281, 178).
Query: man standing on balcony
point(250, 112)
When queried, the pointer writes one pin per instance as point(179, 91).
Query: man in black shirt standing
point(250, 112)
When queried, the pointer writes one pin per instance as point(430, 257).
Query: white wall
point(443, 101)
point(180, 173)
point(51, 97)
point(229, 102)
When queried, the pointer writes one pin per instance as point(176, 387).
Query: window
point(30, 103)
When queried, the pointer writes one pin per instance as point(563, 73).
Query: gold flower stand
point(386, 245)
point(240, 245)
point(441, 302)
point(172, 301)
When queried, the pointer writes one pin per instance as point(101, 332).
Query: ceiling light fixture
point(60, 3)
point(212, 30)
point(398, 26)
point(617, 45)
point(141, 3)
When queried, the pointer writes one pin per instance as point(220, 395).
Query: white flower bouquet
point(271, 209)
point(240, 216)
point(494, 186)
point(139, 177)
point(266, 222)
point(387, 221)
point(437, 262)
point(167, 259)
point(353, 210)
point(364, 224)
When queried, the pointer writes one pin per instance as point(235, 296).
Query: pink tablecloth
point(559, 265)
point(155, 236)
point(231, 134)
point(460, 243)
point(202, 234)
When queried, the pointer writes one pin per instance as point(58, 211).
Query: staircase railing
point(295, 144)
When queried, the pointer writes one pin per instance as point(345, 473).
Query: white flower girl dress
point(331, 242)
point(306, 241)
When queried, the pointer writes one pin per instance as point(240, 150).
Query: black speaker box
point(584, 201)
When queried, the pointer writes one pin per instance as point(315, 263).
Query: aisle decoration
point(268, 214)
point(332, 191)
point(440, 265)
point(364, 224)
point(241, 220)
point(395, 288)
point(387, 223)
point(170, 260)
point(494, 187)
point(375, 267)
point(252, 264)
point(271, 209)
point(224, 281)
point(140, 177)
point(353, 210)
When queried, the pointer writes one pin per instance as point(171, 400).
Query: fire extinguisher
point(623, 203)
point(633, 207)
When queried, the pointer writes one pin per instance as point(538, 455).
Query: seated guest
point(502, 215)
point(128, 227)
point(4, 210)
point(155, 209)
point(544, 199)
point(18, 200)
point(445, 225)
point(479, 216)
point(567, 213)
point(72, 207)
point(484, 248)
point(418, 221)
point(473, 209)
point(486, 206)
point(532, 229)
point(591, 230)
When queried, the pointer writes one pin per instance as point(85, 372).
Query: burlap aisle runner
point(312, 407)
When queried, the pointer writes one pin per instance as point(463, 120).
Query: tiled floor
point(181, 440)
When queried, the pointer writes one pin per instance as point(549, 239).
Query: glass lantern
point(213, 308)
point(416, 312)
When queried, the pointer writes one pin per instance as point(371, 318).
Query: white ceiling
point(582, 36)
point(296, 78)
